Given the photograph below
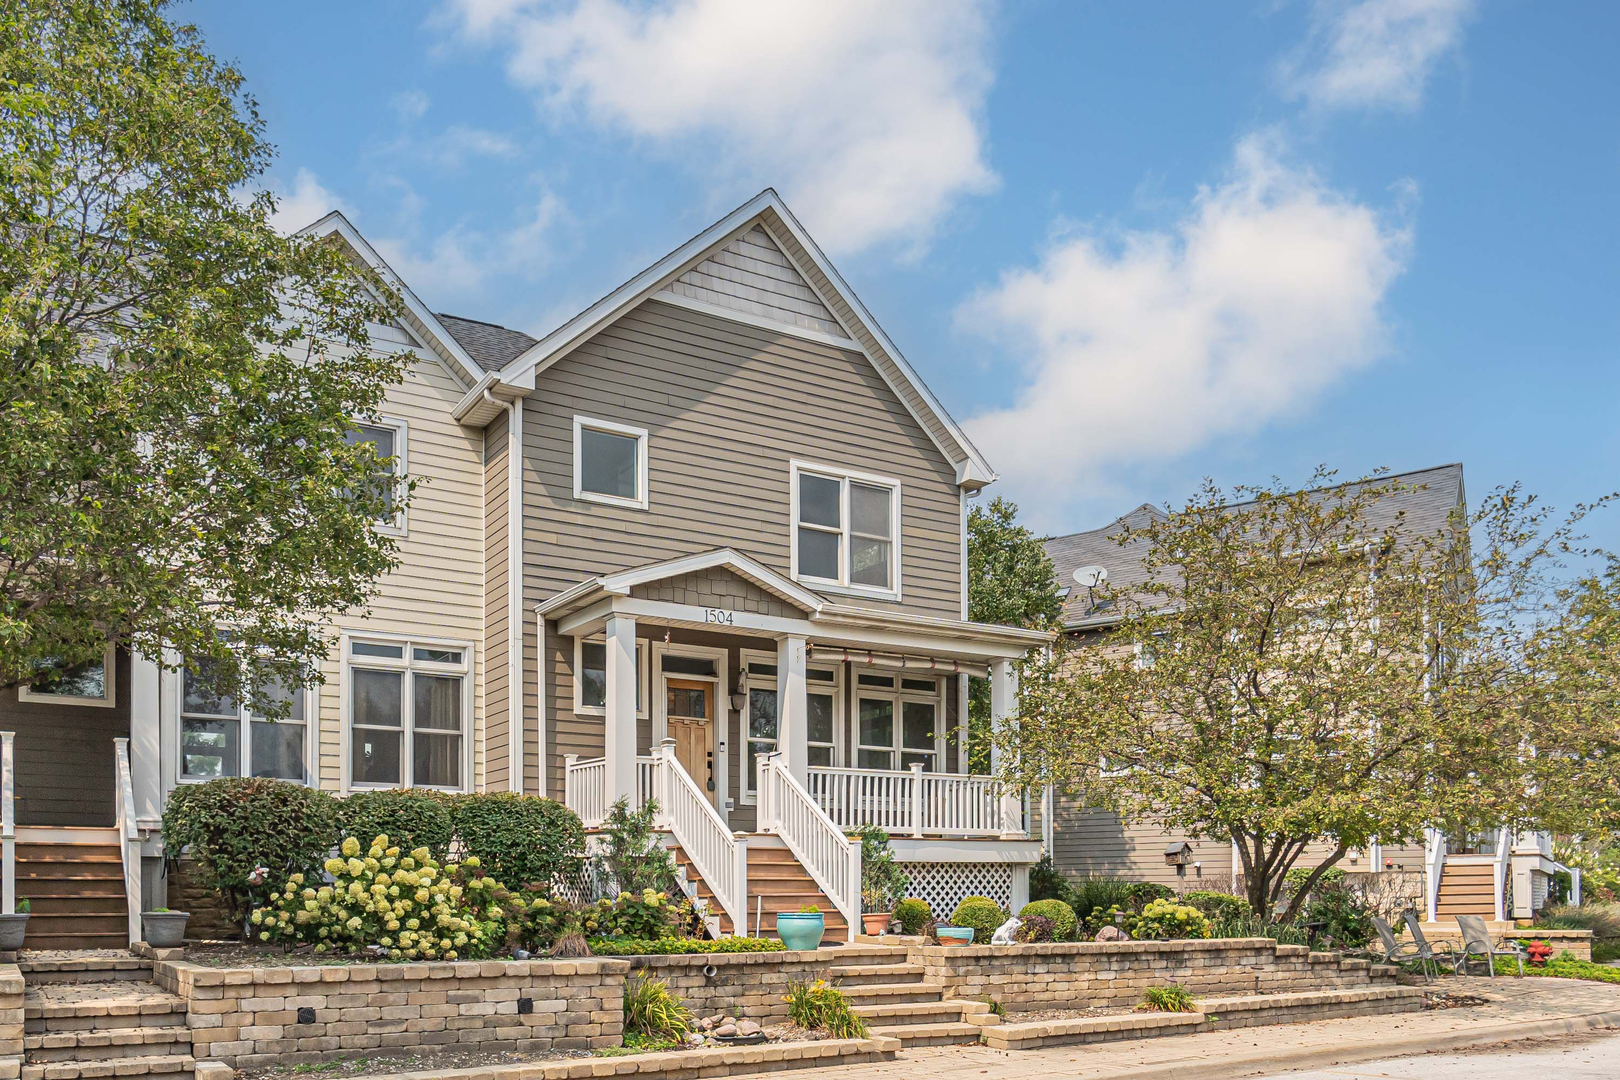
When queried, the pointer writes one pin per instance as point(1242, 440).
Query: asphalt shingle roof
point(1426, 496)
point(492, 347)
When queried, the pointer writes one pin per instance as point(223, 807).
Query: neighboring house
point(705, 542)
point(1462, 876)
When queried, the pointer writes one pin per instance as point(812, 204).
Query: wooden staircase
point(75, 890)
point(776, 882)
point(1467, 889)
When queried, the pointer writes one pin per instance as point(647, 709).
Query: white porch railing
point(585, 787)
point(129, 840)
point(716, 852)
point(831, 858)
point(8, 822)
point(913, 802)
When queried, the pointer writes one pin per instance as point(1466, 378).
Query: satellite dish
point(1091, 576)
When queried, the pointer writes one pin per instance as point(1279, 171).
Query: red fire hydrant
point(1538, 951)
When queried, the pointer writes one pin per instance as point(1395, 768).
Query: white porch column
point(620, 714)
point(1003, 706)
point(145, 737)
point(792, 707)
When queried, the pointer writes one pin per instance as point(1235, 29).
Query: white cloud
point(1370, 53)
point(866, 116)
point(1142, 346)
point(410, 104)
point(302, 203)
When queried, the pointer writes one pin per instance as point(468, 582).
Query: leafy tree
point(1011, 582)
point(179, 384)
point(1301, 670)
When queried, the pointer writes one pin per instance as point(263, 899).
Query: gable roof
point(491, 345)
point(686, 266)
point(1426, 498)
point(417, 317)
point(620, 583)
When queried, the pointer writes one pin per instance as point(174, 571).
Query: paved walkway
point(1569, 1058)
point(1518, 1009)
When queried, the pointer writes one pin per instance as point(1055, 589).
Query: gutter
point(514, 589)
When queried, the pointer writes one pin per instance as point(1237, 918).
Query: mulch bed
point(237, 954)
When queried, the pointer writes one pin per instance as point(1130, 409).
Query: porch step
point(890, 993)
point(111, 965)
point(846, 975)
point(945, 1033)
point(1467, 889)
point(50, 1009)
point(106, 1044)
point(176, 1067)
point(76, 891)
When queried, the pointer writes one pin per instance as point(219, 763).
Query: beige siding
point(497, 744)
point(727, 406)
point(438, 588)
point(751, 275)
point(1096, 843)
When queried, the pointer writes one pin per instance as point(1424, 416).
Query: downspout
point(514, 590)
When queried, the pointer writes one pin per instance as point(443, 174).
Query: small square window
point(88, 683)
point(610, 463)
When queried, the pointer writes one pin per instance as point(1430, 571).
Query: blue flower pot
point(800, 929)
point(954, 935)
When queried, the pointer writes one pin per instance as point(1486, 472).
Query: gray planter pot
point(164, 929)
point(12, 929)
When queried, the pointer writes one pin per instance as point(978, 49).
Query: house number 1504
point(719, 615)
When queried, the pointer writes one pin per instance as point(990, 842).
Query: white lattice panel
point(944, 885)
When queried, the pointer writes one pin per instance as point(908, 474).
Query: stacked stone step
point(897, 1001)
point(86, 1018)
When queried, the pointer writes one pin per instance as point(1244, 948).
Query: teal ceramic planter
point(954, 935)
point(800, 929)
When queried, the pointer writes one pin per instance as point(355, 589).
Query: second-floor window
point(610, 463)
point(846, 530)
point(388, 437)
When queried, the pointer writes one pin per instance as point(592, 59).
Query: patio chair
point(1440, 953)
point(1400, 952)
point(1477, 944)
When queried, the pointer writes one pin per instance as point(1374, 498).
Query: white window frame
point(588, 423)
point(642, 671)
point(109, 664)
point(750, 682)
point(844, 477)
point(244, 740)
point(898, 696)
point(405, 665)
point(398, 525)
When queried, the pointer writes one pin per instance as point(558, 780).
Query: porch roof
point(582, 607)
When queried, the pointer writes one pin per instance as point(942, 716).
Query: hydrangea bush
point(1164, 920)
point(406, 905)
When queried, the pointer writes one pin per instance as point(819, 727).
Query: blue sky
point(1128, 245)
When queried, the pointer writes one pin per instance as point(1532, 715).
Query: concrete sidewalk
point(1518, 1009)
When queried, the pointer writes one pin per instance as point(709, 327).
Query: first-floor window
point(407, 714)
point(590, 676)
point(221, 736)
point(87, 683)
point(898, 722)
point(822, 690)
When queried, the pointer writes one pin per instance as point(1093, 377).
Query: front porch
point(744, 705)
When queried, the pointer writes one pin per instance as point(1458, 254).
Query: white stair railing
point(832, 859)
point(129, 840)
point(911, 802)
point(1499, 870)
point(706, 839)
point(8, 822)
point(1434, 864)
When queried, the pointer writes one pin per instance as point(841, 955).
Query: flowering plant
point(404, 903)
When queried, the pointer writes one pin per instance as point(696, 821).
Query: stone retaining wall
point(11, 1021)
point(1087, 974)
point(253, 1016)
point(754, 985)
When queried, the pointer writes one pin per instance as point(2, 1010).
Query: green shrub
point(816, 1006)
point(1035, 929)
point(1294, 880)
point(523, 839)
point(407, 904)
point(1562, 966)
point(1218, 906)
point(1143, 893)
point(652, 1011)
point(535, 920)
point(913, 915)
point(1253, 926)
point(1343, 915)
point(646, 914)
point(674, 946)
point(1045, 883)
point(1171, 998)
point(1098, 894)
point(231, 827)
point(413, 817)
point(1163, 920)
point(982, 914)
point(882, 881)
point(634, 857)
point(1062, 915)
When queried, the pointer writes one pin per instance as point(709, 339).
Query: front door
point(690, 712)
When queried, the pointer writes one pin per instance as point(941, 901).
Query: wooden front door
point(690, 713)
